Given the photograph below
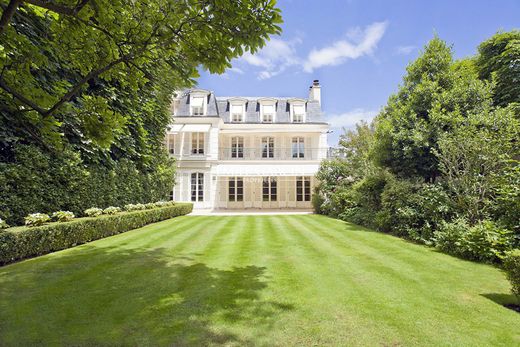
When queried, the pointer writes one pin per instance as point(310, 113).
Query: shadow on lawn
point(507, 300)
point(100, 296)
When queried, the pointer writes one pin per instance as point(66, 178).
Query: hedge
point(24, 242)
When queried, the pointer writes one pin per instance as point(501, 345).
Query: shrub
point(149, 205)
point(161, 203)
point(36, 219)
point(93, 212)
point(412, 209)
point(512, 269)
point(111, 210)
point(23, 242)
point(63, 216)
point(484, 241)
point(3, 224)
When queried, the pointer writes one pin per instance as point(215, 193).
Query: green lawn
point(299, 280)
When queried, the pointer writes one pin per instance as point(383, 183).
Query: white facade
point(240, 153)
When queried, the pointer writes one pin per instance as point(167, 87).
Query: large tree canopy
point(52, 51)
point(499, 60)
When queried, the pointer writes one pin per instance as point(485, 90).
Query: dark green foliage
point(440, 163)
point(42, 182)
point(484, 241)
point(24, 242)
point(499, 61)
point(512, 269)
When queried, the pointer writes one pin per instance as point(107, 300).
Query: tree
point(52, 50)
point(436, 94)
point(473, 155)
point(498, 60)
point(356, 146)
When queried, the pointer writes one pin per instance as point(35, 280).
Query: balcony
point(271, 154)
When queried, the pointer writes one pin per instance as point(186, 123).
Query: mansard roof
point(219, 106)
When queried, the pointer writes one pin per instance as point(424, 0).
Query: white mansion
point(246, 152)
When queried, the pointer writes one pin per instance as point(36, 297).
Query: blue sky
point(358, 49)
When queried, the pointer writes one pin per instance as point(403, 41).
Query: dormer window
point(267, 113)
point(237, 113)
point(197, 105)
point(298, 113)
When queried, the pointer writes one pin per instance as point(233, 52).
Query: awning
point(267, 170)
point(175, 128)
point(196, 128)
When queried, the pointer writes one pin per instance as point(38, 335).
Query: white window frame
point(263, 114)
point(237, 147)
point(232, 114)
point(268, 144)
point(197, 186)
point(234, 185)
point(198, 140)
point(298, 147)
point(171, 144)
point(272, 186)
point(293, 113)
point(303, 193)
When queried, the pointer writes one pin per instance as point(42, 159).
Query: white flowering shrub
point(3, 224)
point(63, 216)
point(93, 212)
point(35, 219)
point(111, 210)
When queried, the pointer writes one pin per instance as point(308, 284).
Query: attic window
point(237, 113)
point(267, 113)
point(298, 113)
point(197, 105)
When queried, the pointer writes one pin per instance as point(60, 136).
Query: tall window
point(298, 113)
point(267, 147)
point(171, 144)
point(197, 186)
point(237, 147)
point(197, 106)
point(236, 189)
point(267, 113)
point(298, 147)
point(303, 188)
point(269, 189)
point(197, 143)
point(237, 112)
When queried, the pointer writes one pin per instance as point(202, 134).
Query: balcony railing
point(272, 154)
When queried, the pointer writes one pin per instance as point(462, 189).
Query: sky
point(358, 50)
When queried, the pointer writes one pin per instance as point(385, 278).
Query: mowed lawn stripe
point(281, 280)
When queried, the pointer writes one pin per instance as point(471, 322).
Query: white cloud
point(405, 50)
point(274, 58)
point(236, 70)
point(350, 118)
point(361, 42)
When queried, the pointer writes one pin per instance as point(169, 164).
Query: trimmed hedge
point(24, 242)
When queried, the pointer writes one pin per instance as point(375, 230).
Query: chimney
point(315, 92)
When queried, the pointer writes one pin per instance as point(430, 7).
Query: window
point(237, 112)
point(237, 147)
point(197, 143)
point(269, 189)
point(197, 105)
point(267, 147)
point(171, 144)
point(298, 147)
point(197, 186)
point(303, 188)
point(267, 113)
point(172, 194)
point(298, 113)
point(236, 189)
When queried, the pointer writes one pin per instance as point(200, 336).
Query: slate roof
point(219, 107)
